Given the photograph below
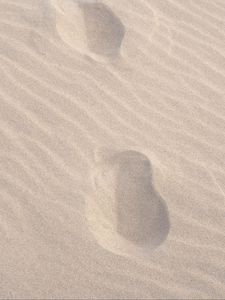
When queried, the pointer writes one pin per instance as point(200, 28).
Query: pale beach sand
point(112, 149)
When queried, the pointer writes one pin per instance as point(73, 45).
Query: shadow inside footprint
point(104, 30)
point(127, 215)
point(141, 212)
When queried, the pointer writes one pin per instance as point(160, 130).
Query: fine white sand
point(112, 157)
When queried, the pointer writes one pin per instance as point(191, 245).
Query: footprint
point(90, 27)
point(125, 213)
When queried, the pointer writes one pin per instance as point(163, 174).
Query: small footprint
point(90, 27)
point(125, 213)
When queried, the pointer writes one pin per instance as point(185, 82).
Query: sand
point(112, 157)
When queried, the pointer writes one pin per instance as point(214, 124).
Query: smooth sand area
point(112, 149)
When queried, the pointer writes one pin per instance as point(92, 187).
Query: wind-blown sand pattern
point(152, 79)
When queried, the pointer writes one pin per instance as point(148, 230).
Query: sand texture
point(112, 149)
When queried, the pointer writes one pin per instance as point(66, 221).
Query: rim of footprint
point(125, 213)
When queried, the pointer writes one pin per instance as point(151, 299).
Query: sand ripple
point(63, 95)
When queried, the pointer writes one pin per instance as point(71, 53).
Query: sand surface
point(112, 149)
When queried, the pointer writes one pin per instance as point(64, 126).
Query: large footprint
point(125, 213)
point(90, 27)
